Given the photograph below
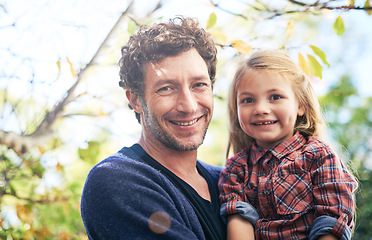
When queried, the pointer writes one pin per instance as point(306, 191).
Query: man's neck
point(181, 163)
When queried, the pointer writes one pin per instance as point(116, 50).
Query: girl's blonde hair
point(275, 61)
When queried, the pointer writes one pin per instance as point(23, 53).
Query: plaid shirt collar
point(286, 149)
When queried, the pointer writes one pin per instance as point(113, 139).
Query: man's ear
point(134, 100)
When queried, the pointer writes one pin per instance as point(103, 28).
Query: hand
point(327, 237)
point(239, 229)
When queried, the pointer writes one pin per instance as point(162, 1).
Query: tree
point(27, 153)
point(32, 145)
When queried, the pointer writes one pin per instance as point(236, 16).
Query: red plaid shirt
point(290, 185)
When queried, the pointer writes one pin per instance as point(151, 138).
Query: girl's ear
point(301, 110)
point(134, 100)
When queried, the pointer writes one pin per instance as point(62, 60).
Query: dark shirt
point(129, 196)
point(208, 212)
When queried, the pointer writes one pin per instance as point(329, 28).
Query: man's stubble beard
point(163, 136)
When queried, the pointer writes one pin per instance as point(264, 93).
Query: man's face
point(177, 103)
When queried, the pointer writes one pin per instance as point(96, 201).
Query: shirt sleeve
point(244, 209)
point(333, 189)
point(231, 183)
point(130, 202)
point(324, 225)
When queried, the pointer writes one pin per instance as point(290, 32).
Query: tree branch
point(21, 143)
point(305, 7)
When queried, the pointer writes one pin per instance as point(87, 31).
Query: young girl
point(283, 179)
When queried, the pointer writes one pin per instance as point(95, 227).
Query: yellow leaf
point(101, 113)
point(211, 21)
point(289, 30)
point(241, 47)
point(219, 35)
point(81, 94)
point(59, 67)
point(303, 64)
point(351, 3)
point(72, 69)
point(23, 213)
point(59, 167)
point(367, 4)
point(42, 150)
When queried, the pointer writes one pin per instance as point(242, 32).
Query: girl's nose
point(262, 107)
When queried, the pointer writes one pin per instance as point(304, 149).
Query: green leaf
point(211, 21)
point(132, 27)
point(367, 4)
point(89, 154)
point(338, 26)
point(320, 54)
point(315, 67)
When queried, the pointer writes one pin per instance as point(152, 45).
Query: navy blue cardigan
point(125, 198)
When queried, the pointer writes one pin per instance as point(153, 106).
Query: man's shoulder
point(211, 169)
point(121, 164)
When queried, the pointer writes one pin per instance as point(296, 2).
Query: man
point(157, 189)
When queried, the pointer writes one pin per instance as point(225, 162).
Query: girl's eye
point(275, 97)
point(247, 100)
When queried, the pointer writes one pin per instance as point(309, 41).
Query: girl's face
point(267, 107)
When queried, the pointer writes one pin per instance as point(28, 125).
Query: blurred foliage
point(350, 120)
point(33, 210)
point(41, 189)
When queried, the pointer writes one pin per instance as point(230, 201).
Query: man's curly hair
point(152, 44)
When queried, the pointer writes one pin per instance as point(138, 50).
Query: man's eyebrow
point(163, 82)
point(201, 77)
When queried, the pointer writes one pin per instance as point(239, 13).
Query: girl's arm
point(333, 189)
point(241, 215)
point(327, 237)
point(239, 228)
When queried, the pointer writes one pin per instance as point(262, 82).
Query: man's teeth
point(186, 123)
point(265, 123)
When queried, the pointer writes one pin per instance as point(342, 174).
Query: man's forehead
point(157, 69)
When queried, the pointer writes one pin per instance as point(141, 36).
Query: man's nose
point(186, 101)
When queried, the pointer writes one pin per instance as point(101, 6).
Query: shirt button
point(231, 198)
point(263, 193)
point(345, 218)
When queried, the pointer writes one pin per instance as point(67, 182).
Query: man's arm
point(130, 200)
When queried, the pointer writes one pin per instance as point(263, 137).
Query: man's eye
point(163, 89)
point(275, 97)
point(201, 85)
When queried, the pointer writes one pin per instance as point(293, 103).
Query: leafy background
point(61, 110)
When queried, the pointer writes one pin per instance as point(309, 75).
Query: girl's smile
point(267, 107)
